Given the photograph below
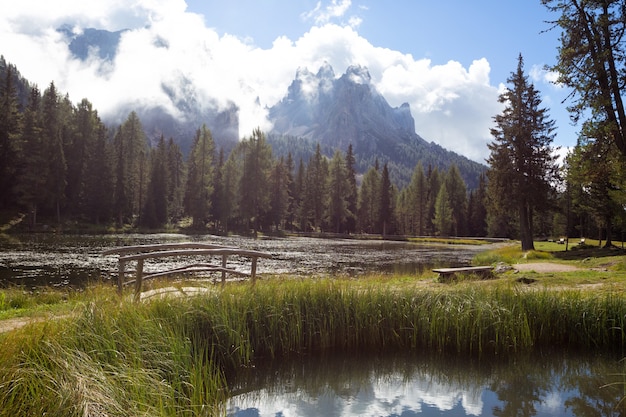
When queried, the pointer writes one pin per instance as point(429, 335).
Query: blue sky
point(458, 30)
point(448, 59)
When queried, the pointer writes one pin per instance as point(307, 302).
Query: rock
point(502, 267)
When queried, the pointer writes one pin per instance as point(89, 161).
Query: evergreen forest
point(63, 168)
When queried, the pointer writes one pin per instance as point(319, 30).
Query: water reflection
point(400, 385)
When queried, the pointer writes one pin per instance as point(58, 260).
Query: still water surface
point(59, 260)
point(399, 385)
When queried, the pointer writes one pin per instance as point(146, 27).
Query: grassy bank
point(110, 356)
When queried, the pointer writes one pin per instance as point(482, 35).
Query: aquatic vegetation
point(173, 356)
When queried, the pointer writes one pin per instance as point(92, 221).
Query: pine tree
point(279, 193)
point(385, 206)
point(254, 180)
point(352, 195)
point(32, 180)
point(417, 201)
point(233, 171)
point(176, 183)
point(443, 220)
point(200, 178)
point(217, 198)
point(315, 190)
point(457, 193)
point(477, 214)
point(299, 202)
point(130, 152)
point(84, 133)
point(337, 193)
point(369, 202)
point(10, 126)
point(99, 180)
point(55, 170)
point(591, 63)
point(433, 181)
point(155, 210)
point(522, 164)
point(292, 194)
point(596, 177)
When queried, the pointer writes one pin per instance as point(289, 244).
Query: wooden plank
point(165, 246)
point(121, 266)
point(138, 279)
point(196, 252)
point(140, 253)
point(224, 258)
point(447, 273)
point(462, 269)
point(195, 269)
point(253, 270)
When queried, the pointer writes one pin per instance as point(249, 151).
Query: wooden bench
point(141, 253)
point(447, 273)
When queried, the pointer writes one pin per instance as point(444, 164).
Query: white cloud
point(452, 105)
point(322, 15)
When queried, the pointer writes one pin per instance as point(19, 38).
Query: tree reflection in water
point(554, 384)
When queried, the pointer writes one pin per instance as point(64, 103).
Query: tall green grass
point(175, 356)
point(509, 254)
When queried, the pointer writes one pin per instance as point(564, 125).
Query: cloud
point(322, 15)
point(540, 75)
point(452, 105)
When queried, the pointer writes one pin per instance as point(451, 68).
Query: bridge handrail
point(141, 252)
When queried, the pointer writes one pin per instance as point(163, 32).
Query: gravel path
point(12, 324)
point(545, 267)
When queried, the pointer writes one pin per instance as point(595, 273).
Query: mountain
point(337, 112)
point(320, 107)
point(156, 120)
point(90, 40)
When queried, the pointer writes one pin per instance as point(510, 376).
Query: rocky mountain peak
point(326, 72)
point(358, 74)
point(349, 110)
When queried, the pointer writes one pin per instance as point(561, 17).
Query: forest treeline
point(62, 164)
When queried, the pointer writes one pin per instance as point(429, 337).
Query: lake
point(554, 384)
point(538, 384)
point(32, 260)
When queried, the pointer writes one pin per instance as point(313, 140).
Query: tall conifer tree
point(337, 193)
point(522, 163)
point(254, 189)
point(32, 179)
point(55, 170)
point(352, 196)
point(10, 118)
point(200, 178)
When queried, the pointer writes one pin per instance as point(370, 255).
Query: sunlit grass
point(106, 355)
point(510, 254)
point(172, 356)
point(19, 302)
point(449, 241)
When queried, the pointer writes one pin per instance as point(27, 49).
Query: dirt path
point(545, 267)
point(19, 322)
point(12, 324)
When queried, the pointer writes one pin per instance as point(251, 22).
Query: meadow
point(93, 353)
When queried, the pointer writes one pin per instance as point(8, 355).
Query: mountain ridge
point(317, 107)
point(339, 111)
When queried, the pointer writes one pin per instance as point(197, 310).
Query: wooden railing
point(141, 253)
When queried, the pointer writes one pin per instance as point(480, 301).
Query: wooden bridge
point(141, 253)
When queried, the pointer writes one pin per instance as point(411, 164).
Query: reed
point(176, 356)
